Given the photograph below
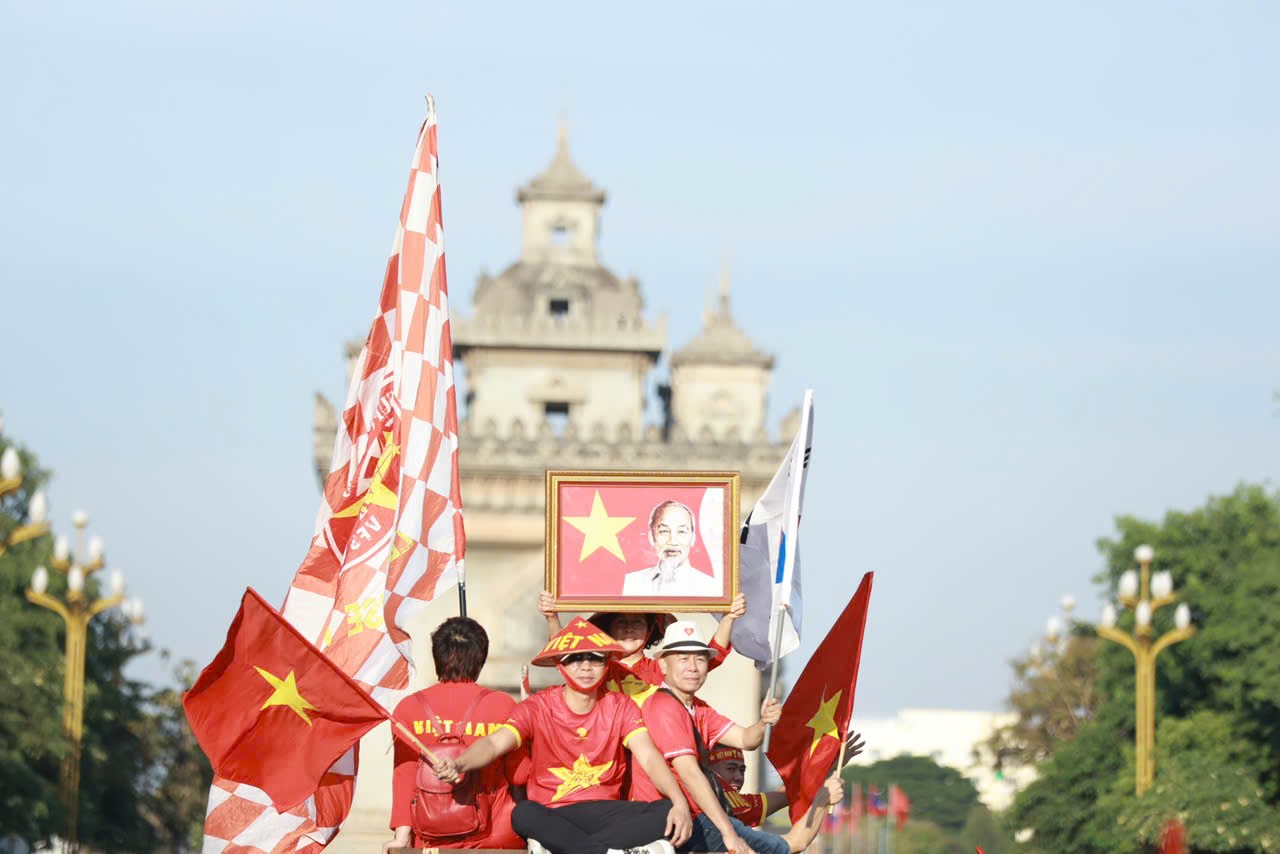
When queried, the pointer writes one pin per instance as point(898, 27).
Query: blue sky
point(1026, 254)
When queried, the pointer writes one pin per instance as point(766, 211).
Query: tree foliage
point(141, 773)
point(939, 794)
point(1217, 695)
point(1054, 694)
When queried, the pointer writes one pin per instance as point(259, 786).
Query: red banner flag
point(272, 711)
point(389, 536)
point(899, 805)
point(815, 717)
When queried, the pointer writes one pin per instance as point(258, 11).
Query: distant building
point(559, 359)
point(950, 737)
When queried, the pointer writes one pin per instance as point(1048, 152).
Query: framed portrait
point(642, 541)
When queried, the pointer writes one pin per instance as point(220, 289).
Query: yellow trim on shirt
point(627, 737)
point(514, 732)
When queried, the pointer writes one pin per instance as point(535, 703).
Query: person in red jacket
point(455, 706)
point(634, 673)
point(582, 739)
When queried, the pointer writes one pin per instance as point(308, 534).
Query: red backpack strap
point(481, 696)
point(429, 714)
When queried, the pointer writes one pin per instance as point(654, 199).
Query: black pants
point(591, 827)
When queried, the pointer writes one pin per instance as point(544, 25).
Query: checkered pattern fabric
point(389, 535)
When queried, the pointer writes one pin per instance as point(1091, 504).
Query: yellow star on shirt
point(583, 775)
point(823, 722)
point(601, 529)
point(286, 694)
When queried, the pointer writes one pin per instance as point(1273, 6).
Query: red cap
point(578, 636)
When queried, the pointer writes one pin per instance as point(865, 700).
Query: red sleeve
point(632, 719)
point(669, 726)
point(712, 725)
point(403, 772)
point(515, 765)
point(753, 815)
point(520, 721)
point(719, 654)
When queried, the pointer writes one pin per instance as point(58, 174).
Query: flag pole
point(462, 590)
point(778, 616)
point(844, 738)
point(413, 739)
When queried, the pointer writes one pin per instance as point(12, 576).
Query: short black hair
point(459, 647)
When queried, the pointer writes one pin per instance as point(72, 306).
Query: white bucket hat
point(683, 636)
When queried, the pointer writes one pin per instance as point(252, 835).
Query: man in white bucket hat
point(685, 729)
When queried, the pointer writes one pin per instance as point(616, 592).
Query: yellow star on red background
point(823, 722)
point(601, 529)
point(285, 694)
point(583, 775)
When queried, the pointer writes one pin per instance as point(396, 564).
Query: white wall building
point(951, 737)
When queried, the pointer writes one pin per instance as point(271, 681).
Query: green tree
point(139, 766)
point(1054, 694)
point(938, 794)
point(982, 828)
point(1218, 697)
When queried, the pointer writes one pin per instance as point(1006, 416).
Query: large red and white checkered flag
point(389, 535)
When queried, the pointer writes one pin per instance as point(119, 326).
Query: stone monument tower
point(558, 358)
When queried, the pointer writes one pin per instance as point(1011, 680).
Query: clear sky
point(1026, 253)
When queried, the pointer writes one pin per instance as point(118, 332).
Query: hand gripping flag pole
point(783, 581)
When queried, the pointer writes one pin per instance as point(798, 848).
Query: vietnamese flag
point(815, 718)
point(272, 711)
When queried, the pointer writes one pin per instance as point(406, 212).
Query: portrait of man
point(673, 531)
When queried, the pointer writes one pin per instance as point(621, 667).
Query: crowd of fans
point(623, 758)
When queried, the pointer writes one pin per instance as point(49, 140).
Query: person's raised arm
point(751, 737)
point(724, 629)
point(679, 819)
point(804, 831)
point(686, 765)
point(478, 755)
point(547, 606)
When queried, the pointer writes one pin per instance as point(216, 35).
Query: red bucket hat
point(578, 636)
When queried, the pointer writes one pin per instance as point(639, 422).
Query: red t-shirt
point(575, 757)
point(671, 725)
point(748, 809)
point(642, 678)
point(449, 701)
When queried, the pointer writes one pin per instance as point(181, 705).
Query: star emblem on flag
point(583, 775)
point(823, 722)
point(600, 529)
point(285, 694)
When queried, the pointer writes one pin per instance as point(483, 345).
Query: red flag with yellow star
point(815, 718)
point(272, 711)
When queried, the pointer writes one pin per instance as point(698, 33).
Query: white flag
point(769, 556)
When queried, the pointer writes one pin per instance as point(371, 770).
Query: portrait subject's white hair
point(671, 502)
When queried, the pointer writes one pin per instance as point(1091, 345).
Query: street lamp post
point(76, 612)
point(1145, 594)
point(37, 508)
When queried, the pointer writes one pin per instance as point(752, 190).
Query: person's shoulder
point(496, 702)
point(411, 701)
point(544, 698)
point(660, 704)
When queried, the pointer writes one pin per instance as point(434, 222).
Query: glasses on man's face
point(579, 657)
